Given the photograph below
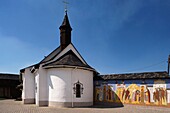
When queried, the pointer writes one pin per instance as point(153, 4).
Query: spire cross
point(66, 3)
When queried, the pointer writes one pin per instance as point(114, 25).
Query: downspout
point(72, 89)
point(72, 96)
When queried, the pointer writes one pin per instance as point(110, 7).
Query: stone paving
point(11, 106)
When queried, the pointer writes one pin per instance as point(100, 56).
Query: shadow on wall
point(144, 94)
point(107, 105)
point(106, 101)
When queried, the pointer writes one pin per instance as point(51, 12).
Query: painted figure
point(160, 96)
point(135, 94)
point(147, 96)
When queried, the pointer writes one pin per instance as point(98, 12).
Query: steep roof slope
point(144, 75)
point(69, 59)
point(51, 55)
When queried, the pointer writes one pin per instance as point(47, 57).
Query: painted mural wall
point(151, 92)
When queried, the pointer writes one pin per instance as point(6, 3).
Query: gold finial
point(66, 3)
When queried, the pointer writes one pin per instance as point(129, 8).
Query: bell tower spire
point(65, 32)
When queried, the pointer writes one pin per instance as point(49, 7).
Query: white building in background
point(62, 79)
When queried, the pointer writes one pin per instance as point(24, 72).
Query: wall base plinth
point(29, 101)
point(43, 103)
point(69, 104)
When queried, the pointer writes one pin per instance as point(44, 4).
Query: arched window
point(78, 95)
point(78, 89)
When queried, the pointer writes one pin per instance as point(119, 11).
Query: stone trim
point(29, 101)
point(69, 104)
point(43, 103)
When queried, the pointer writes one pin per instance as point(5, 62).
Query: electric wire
point(146, 67)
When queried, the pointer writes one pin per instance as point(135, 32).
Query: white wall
point(42, 84)
point(168, 96)
point(23, 91)
point(61, 87)
point(37, 88)
point(28, 85)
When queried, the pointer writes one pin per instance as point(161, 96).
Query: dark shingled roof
point(69, 59)
point(144, 75)
point(51, 55)
point(9, 76)
point(97, 77)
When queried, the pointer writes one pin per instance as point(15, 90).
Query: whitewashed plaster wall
point(42, 85)
point(36, 88)
point(23, 91)
point(168, 96)
point(28, 85)
point(61, 80)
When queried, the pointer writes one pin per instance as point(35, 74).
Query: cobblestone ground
point(11, 106)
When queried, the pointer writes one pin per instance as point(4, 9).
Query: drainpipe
point(72, 96)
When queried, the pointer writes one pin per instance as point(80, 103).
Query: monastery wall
point(145, 92)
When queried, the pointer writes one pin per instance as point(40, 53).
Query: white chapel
point(62, 79)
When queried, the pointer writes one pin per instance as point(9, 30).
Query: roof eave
point(35, 65)
point(68, 66)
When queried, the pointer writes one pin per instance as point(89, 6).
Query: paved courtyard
point(11, 106)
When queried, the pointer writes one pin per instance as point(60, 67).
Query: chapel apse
point(153, 93)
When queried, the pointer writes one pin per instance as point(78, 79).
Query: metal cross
point(66, 3)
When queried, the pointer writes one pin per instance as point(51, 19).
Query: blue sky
point(113, 36)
